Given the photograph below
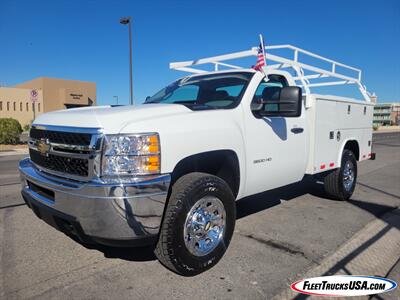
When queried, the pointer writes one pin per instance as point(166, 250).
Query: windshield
point(213, 91)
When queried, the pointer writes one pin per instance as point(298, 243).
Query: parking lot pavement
point(372, 250)
point(280, 235)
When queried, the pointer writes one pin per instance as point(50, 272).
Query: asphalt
point(279, 236)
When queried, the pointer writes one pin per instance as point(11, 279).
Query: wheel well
point(221, 163)
point(353, 147)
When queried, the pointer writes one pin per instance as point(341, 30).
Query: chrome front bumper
point(121, 211)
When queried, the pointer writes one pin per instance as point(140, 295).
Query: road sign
point(34, 95)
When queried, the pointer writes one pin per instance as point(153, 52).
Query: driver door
point(275, 145)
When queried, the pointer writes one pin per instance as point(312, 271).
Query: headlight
point(137, 154)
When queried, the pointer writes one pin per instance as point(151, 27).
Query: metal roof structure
point(316, 76)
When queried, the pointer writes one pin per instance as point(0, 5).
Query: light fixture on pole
point(128, 21)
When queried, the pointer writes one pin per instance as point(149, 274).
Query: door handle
point(296, 130)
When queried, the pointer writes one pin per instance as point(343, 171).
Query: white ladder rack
point(305, 81)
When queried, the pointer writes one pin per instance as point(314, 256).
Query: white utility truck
point(168, 172)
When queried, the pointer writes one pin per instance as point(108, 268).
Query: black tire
point(171, 250)
point(334, 183)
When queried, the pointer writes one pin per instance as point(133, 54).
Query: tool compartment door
point(326, 145)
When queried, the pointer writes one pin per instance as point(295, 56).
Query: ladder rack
point(305, 81)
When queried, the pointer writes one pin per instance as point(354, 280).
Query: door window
point(270, 91)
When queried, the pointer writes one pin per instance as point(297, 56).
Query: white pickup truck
point(168, 172)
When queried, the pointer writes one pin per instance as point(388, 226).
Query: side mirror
point(290, 101)
point(147, 99)
point(288, 105)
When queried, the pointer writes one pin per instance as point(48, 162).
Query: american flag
point(260, 58)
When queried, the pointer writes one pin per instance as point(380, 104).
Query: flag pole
point(263, 49)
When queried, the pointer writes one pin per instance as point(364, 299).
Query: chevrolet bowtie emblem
point(43, 146)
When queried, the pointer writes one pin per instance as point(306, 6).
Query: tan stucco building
point(52, 94)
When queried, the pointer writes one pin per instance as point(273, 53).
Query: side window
point(270, 91)
point(266, 84)
point(185, 93)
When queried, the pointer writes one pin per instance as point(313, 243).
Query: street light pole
point(124, 21)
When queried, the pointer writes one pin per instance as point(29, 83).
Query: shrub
point(375, 127)
point(10, 129)
point(27, 127)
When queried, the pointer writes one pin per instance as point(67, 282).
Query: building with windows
point(50, 94)
point(387, 114)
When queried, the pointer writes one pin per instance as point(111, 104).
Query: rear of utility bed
point(334, 123)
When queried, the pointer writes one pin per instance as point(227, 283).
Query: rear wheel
point(198, 224)
point(341, 182)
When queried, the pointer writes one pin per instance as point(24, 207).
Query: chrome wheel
point(348, 175)
point(204, 226)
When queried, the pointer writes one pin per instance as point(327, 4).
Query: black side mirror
point(288, 105)
point(147, 99)
point(290, 101)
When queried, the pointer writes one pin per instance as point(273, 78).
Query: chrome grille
point(68, 138)
point(68, 152)
point(74, 166)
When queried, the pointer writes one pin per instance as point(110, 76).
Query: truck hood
point(110, 119)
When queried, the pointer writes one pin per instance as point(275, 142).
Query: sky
point(83, 40)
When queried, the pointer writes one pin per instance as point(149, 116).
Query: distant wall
point(16, 103)
point(53, 94)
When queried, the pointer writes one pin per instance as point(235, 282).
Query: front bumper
point(122, 213)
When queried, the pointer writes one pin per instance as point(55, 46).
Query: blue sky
point(83, 40)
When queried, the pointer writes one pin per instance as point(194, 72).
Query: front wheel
point(341, 182)
point(198, 224)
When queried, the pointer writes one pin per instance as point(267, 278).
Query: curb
point(386, 131)
point(15, 152)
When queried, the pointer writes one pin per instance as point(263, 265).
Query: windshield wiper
point(185, 102)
